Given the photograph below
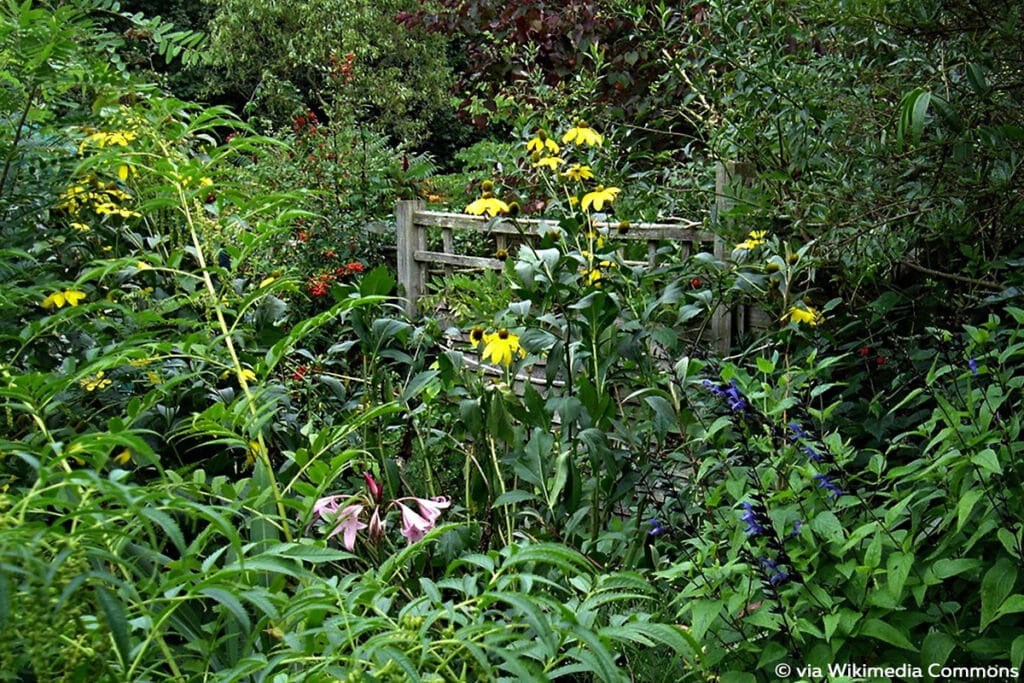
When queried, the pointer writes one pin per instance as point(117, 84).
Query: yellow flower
point(252, 452)
point(542, 142)
point(551, 162)
point(71, 297)
point(577, 172)
point(247, 374)
point(583, 134)
point(124, 457)
point(807, 315)
point(492, 206)
point(477, 335)
point(501, 347)
point(755, 239)
point(97, 381)
point(81, 227)
point(592, 277)
point(154, 378)
point(598, 197)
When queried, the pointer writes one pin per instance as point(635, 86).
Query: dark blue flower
point(776, 576)
point(798, 433)
point(812, 454)
point(755, 520)
point(824, 482)
point(656, 528)
point(796, 529)
point(973, 365)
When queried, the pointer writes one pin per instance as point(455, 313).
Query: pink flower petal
point(414, 527)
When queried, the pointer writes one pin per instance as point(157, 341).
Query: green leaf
point(117, 622)
point(966, 505)
point(879, 630)
point(1012, 605)
point(936, 648)
point(230, 603)
point(898, 566)
point(1017, 652)
point(996, 585)
point(987, 459)
point(944, 569)
point(702, 614)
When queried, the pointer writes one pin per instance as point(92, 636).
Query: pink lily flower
point(430, 508)
point(348, 524)
point(414, 527)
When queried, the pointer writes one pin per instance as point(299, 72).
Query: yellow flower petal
point(489, 205)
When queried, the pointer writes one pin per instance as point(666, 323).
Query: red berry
point(865, 351)
point(696, 283)
point(880, 360)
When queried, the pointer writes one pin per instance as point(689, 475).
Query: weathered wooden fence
point(415, 259)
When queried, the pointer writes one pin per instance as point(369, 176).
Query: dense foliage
point(227, 454)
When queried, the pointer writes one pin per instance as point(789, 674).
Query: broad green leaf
point(879, 630)
point(996, 585)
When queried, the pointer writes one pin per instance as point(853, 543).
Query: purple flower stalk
point(656, 528)
point(824, 482)
point(973, 365)
point(754, 521)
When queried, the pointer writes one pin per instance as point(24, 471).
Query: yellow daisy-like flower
point(577, 172)
point(808, 315)
point(501, 347)
point(477, 335)
point(592, 277)
point(754, 240)
point(71, 297)
point(491, 206)
point(551, 162)
point(583, 134)
point(541, 143)
point(599, 197)
point(97, 381)
point(81, 227)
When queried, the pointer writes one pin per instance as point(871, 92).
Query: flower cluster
point(306, 123)
point(97, 381)
point(100, 198)
point(499, 347)
point(730, 392)
point(344, 514)
point(319, 285)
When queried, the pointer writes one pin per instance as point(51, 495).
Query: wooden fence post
point(409, 239)
point(729, 177)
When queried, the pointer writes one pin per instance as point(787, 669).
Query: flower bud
point(487, 186)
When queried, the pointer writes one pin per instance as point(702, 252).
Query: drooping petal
point(348, 525)
point(414, 527)
point(431, 508)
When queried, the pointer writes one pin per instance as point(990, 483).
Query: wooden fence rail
point(415, 259)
